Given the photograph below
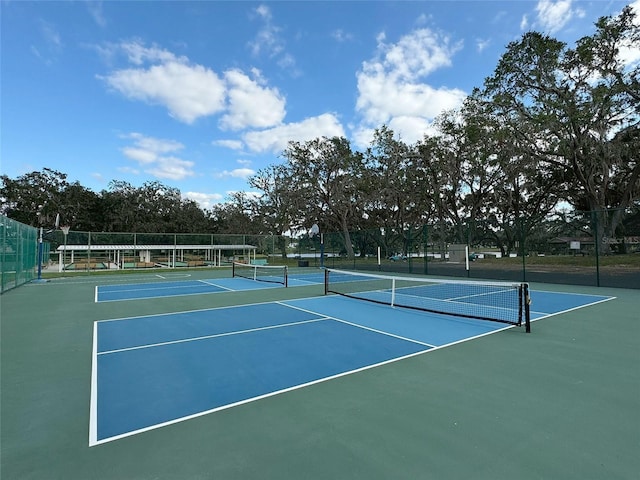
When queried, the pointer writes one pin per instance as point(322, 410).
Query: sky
point(201, 95)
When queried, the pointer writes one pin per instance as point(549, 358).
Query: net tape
point(263, 273)
point(493, 301)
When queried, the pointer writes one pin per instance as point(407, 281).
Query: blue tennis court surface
point(110, 293)
point(156, 370)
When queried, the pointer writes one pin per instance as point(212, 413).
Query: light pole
point(41, 246)
point(65, 231)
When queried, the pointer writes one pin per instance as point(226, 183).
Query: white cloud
point(156, 145)
point(412, 128)
point(341, 36)
point(423, 19)
point(152, 155)
point(382, 97)
point(140, 155)
point(188, 91)
point(553, 15)
point(392, 88)
point(269, 41)
point(98, 177)
point(630, 54)
point(52, 47)
point(276, 139)
point(236, 173)
point(482, 44)
point(418, 54)
point(138, 54)
point(95, 10)
point(231, 144)
point(172, 168)
point(268, 38)
point(362, 135)
point(205, 200)
point(51, 35)
point(251, 104)
point(191, 91)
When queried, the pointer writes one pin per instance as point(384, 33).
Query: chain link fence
point(599, 248)
point(19, 253)
point(582, 248)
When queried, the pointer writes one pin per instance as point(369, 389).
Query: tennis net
point(263, 273)
point(493, 301)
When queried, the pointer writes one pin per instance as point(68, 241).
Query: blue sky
point(201, 95)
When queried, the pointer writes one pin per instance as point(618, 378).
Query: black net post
point(425, 246)
point(523, 253)
point(596, 242)
point(527, 308)
point(409, 249)
point(326, 281)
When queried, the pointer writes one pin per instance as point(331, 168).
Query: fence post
point(596, 242)
point(425, 241)
point(523, 240)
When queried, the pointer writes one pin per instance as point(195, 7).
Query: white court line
point(95, 442)
point(93, 411)
point(216, 285)
point(306, 282)
point(214, 335)
point(547, 315)
point(93, 405)
point(184, 311)
point(158, 289)
point(252, 399)
point(359, 326)
point(104, 279)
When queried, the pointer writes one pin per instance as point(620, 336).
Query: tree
point(330, 177)
point(119, 207)
point(150, 208)
point(34, 198)
point(401, 200)
point(576, 112)
point(80, 208)
point(236, 215)
point(278, 207)
point(507, 191)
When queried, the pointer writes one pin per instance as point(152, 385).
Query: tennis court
point(205, 376)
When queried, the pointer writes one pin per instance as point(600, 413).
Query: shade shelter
point(98, 257)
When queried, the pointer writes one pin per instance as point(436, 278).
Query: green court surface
point(560, 403)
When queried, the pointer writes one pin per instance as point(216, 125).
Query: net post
point(466, 260)
point(520, 302)
point(393, 291)
point(233, 269)
point(527, 309)
point(326, 281)
point(286, 276)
